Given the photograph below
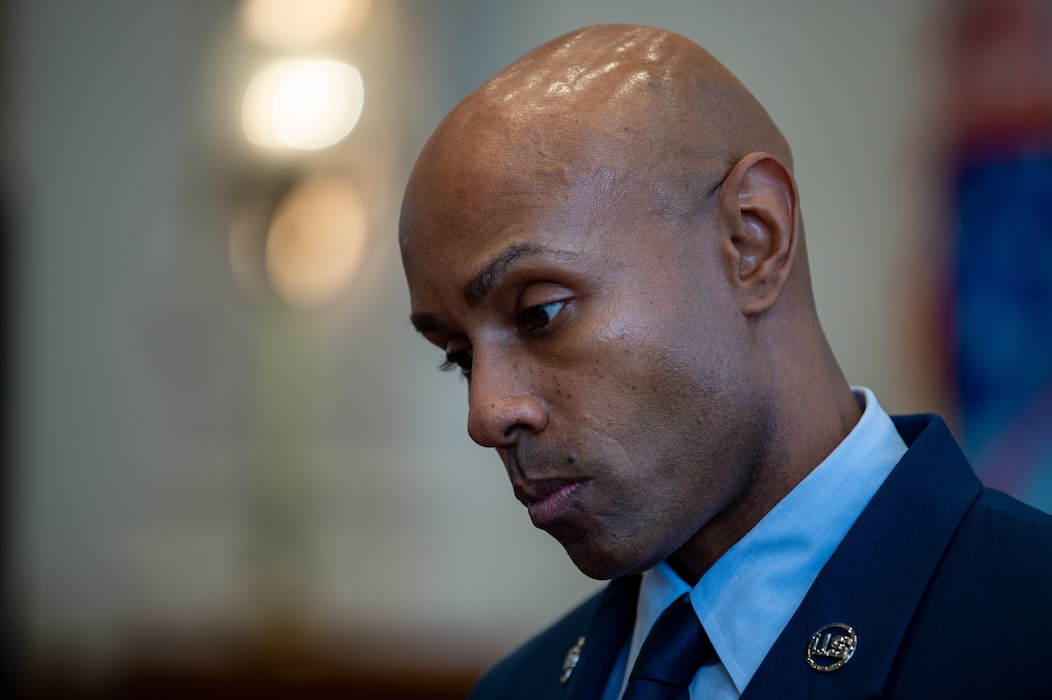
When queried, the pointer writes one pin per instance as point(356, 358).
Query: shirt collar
point(747, 597)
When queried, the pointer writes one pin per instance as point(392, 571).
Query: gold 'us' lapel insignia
point(831, 647)
point(570, 663)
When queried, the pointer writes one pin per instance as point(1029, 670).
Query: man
point(606, 240)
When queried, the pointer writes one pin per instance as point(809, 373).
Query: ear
point(760, 200)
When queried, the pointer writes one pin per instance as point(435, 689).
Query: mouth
point(547, 501)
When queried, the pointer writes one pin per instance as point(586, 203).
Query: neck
point(813, 411)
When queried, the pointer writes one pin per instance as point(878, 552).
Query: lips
point(548, 500)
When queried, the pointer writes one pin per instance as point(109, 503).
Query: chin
point(604, 566)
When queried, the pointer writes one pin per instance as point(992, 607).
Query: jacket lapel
point(876, 577)
point(602, 643)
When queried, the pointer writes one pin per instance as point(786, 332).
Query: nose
point(503, 403)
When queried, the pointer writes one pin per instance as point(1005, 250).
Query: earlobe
point(759, 197)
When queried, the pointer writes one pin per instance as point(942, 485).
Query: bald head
point(616, 102)
point(615, 75)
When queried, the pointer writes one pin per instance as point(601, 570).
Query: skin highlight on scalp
point(635, 103)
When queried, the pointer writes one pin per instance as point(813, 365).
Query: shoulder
point(987, 608)
point(987, 602)
point(1002, 543)
point(536, 665)
point(995, 510)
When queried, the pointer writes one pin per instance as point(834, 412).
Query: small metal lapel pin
point(570, 663)
point(831, 647)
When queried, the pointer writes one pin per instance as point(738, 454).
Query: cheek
point(674, 418)
point(604, 385)
point(643, 372)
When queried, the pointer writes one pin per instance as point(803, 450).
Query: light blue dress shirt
point(748, 596)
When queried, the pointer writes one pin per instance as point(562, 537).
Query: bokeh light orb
point(316, 240)
point(302, 104)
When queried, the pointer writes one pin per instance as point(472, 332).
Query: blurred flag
point(998, 257)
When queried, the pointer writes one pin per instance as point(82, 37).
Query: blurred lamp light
point(301, 23)
point(316, 239)
point(307, 105)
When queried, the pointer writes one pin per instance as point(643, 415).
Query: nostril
point(511, 429)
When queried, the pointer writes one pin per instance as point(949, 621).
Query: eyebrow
point(480, 284)
point(426, 322)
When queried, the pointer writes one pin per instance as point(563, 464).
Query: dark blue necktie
point(672, 653)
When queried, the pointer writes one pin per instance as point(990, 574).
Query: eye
point(457, 359)
point(541, 315)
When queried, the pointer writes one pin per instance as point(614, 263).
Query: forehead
point(454, 227)
point(468, 189)
point(490, 174)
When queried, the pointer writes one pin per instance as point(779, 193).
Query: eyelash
point(461, 359)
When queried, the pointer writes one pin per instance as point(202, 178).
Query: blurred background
point(231, 470)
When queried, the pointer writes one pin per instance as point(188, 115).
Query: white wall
point(143, 373)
